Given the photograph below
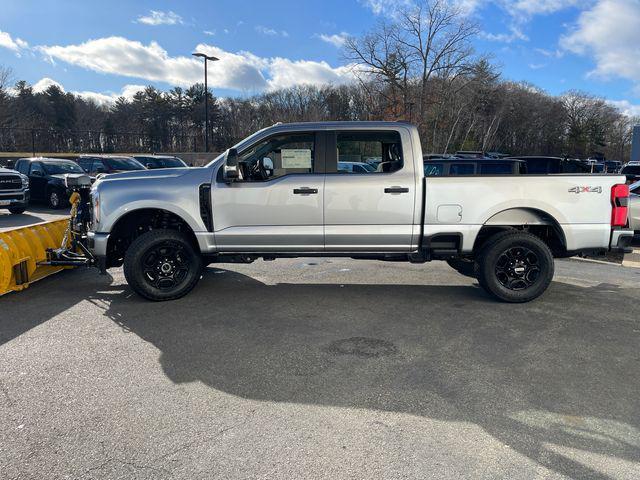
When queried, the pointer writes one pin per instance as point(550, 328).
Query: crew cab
point(14, 191)
point(281, 193)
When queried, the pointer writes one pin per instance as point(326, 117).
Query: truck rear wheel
point(162, 265)
point(464, 266)
point(515, 266)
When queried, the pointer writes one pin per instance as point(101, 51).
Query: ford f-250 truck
point(280, 193)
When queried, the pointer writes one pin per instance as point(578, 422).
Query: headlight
point(95, 202)
point(25, 181)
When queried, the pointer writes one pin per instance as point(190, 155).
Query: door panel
point(267, 216)
point(359, 215)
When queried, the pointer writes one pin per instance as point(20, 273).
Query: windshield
point(123, 163)
point(57, 168)
point(161, 162)
point(635, 188)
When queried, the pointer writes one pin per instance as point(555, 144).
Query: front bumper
point(98, 243)
point(14, 199)
point(621, 240)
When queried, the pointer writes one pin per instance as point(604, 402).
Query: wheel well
point(135, 223)
point(547, 229)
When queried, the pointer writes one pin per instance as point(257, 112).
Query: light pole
point(206, 97)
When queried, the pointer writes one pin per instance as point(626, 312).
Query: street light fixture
point(206, 97)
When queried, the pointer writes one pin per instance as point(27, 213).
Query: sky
point(105, 49)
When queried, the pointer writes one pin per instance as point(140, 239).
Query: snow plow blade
point(23, 249)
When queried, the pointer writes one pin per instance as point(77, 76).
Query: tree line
point(417, 65)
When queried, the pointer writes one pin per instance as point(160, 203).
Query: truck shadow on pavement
point(554, 376)
point(548, 379)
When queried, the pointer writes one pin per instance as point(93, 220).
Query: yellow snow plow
point(23, 249)
point(28, 254)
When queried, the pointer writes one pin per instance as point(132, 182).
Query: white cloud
point(337, 39)
point(626, 107)
point(608, 32)
point(516, 34)
point(15, 46)
point(44, 83)
point(158, 17)
point(241, 71)
point(540, 7)
point(210, 33)
point(285, 73)
point(537, 66)
point(108, 98)
point(271, 31)
point(549, 53)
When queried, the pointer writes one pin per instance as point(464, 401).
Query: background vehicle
point(46, 178)
point(545, 165)
point(160, 161)
point(95, 165)
point(276, 194)
point(445, 167)
point(613, 166)
point(632, 172)
point(355, 167)
point(14, 191)
point(470, 154)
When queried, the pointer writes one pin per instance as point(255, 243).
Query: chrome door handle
point(305, 191)
point(396, 190)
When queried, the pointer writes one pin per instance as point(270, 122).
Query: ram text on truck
point(280, 193)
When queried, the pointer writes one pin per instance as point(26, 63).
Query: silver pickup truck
point(283, 193)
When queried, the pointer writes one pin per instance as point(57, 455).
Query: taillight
point(620, 203)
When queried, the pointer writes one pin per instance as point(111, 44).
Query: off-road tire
point(466, 267)
point(17, 210)
point(140, 251)
point(491, 277)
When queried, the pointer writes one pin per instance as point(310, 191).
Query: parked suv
point(106, 164)
point(46, 178)
point(14, 191)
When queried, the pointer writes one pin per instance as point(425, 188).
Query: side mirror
point(101, 170)
point(37, 173)
point(230, 168)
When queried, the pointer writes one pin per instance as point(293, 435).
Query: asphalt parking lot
point(322, 368)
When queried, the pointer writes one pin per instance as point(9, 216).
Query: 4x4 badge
point(585, 190)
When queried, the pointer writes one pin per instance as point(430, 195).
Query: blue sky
point(104, 49)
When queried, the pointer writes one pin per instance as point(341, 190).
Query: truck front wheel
point(162, 265)
point(515, 266)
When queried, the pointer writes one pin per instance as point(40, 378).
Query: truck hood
point(146, 174)
point(4, 171)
